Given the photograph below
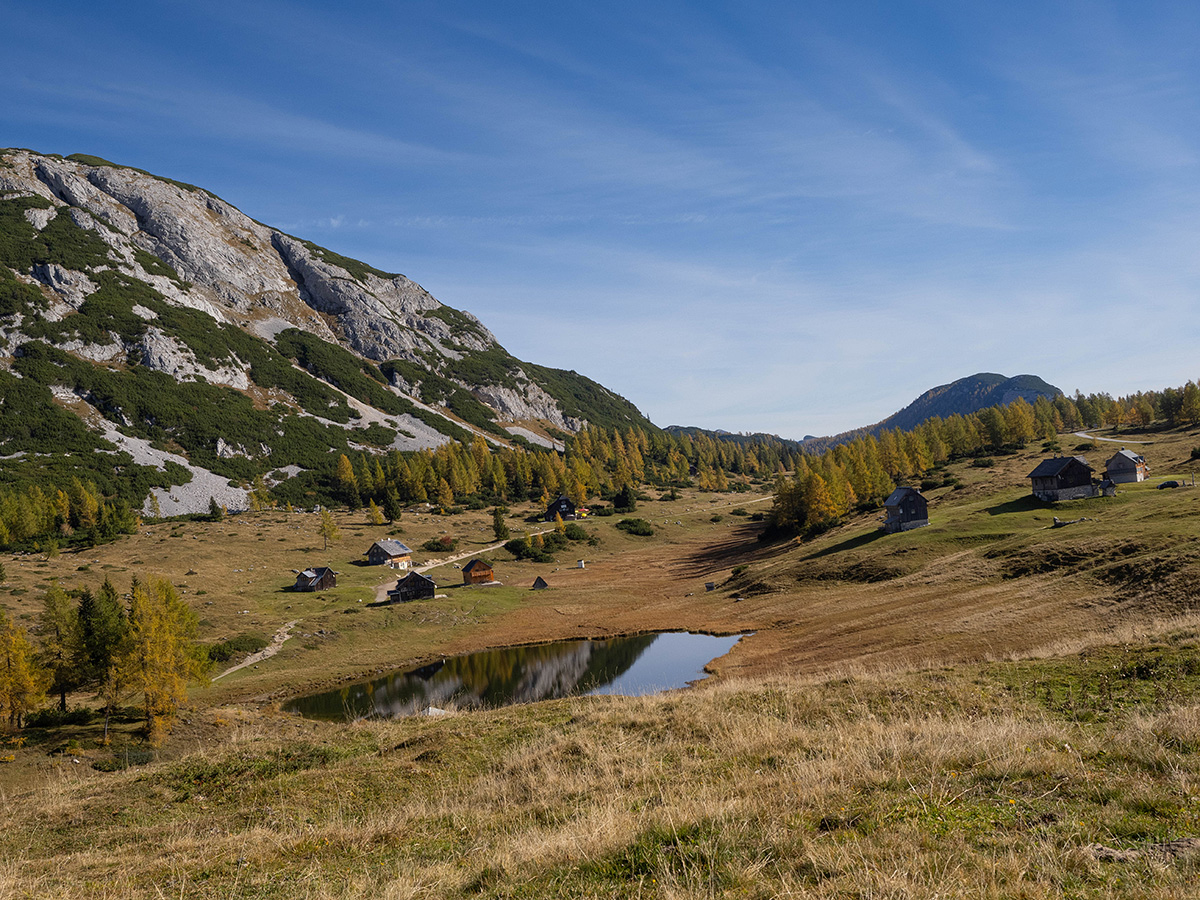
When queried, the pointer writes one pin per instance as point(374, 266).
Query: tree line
point(596, 463)
point(117, 647)
point(860, 473)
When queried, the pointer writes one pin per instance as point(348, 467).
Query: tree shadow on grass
point(1028, 503)
point(860, 540)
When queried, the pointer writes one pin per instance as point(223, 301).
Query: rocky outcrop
point(197, 251)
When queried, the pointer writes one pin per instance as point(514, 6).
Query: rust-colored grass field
point(824, 760)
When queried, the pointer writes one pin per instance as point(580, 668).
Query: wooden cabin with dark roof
point(561, 507)
point(413, 586)
point(389, 553)
point(321, 578)
point(906, 509)
point(1126, 467)
point(1063, 478)
point(478, 572)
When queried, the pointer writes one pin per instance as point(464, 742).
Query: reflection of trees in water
point(485, 679)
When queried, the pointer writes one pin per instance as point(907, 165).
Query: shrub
point(738, 570)
point(739, 511)
point(575, 532)
point(638, 527)
point(56, 718)
point(443, 544)
point(717, 518)
point(983, 462)
point(1195, 453)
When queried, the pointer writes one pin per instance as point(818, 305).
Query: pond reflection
point(643, 664)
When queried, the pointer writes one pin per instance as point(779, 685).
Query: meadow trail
point(267, 652)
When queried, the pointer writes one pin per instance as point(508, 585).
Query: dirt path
point(1096, 437)
point(266, 653)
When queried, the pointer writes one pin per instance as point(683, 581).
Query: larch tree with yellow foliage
point(161, 656)
point(23, 682)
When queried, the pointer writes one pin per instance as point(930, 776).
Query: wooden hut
point(561, 507)
point(413, 586)
point(906, 509)
point(389, 553)
point(478, 572)
point(1126, 467)
point(318, 579)
point(1063, 478)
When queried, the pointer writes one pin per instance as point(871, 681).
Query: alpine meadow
point(238, 470)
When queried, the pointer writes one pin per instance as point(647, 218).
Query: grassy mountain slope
point(988, 706)
point(158, 307)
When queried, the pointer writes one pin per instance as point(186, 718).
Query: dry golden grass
point(939, 783)
point(914, 716)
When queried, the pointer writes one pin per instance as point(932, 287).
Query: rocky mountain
point(138, 306)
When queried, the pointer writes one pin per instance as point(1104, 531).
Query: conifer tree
point(59, 643)
point(328, 529)
point(22, 682)
point(374, 516)
point(499, 526)
point(161, 655)
point(391, 504)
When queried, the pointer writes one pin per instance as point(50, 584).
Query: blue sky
point(790, 217)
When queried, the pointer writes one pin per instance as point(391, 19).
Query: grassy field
point(991, 706)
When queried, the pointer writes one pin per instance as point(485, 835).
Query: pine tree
point(59, 643)
point(499, 526)
point(391, 504)
point(374, 516)
point(102, 628)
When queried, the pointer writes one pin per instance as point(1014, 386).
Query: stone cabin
point(1063, 478)
point(319, 579)
point(389, 553)
point(478, 572)
point(561, 507)
point(413, 586)
point(906, 509)
point(1126, 467)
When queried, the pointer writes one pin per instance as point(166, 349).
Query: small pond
point(631, 666)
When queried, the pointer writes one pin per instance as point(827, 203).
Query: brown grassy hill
point(991, 706)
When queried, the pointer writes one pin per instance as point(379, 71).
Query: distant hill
point(961, 397)
point(967, 395)
point(755, 439)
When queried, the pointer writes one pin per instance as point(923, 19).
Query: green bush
point(443, 544)
point(638, 527)
point(56, 718)
point(575, 532)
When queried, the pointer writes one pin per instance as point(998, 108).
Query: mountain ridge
point(110, 275)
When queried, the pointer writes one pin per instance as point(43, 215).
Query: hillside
point(141, 312)
point(967, 395)
point(913, 715)
point(961, 397)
